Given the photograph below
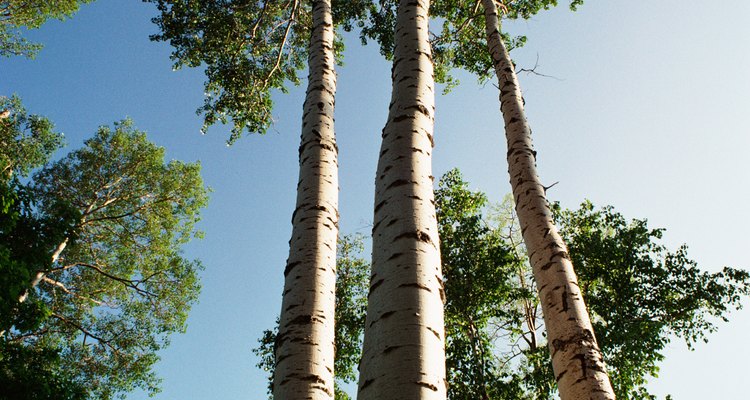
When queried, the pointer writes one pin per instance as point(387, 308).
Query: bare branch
point(534, 71)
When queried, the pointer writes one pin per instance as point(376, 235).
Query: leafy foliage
point(478, 269)
point(248, 48)
point(639, 294)
point(642, 295)
point(461, 41)
point(26, 238)
point(28, 140)
point(16, 15)
point(26, 242)
point(352, 284)
point(36, 374)
point(114, 285)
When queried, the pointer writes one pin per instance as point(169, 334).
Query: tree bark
point(576, 359)
point(305, 343)
point(403, 354)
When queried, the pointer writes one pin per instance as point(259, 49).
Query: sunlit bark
point(305, 343)
point(576, 359)
point(403, 355)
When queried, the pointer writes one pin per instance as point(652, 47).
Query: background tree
point(117, 285)
point(26, 240)
point(27, 140)
point(16, 15)
point(642, 296)
point(479, 272)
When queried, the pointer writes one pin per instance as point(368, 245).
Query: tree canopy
point(460, 42)
point(26, 240)
point(17, 15)
point(114, 285)
point(28, 140)
point(249, 49)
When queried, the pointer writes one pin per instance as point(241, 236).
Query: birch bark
point(576, 359)
point(305, 343)
point(403, 354)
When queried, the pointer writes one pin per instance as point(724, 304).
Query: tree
point(258, 51)
point(352, 278)
point(16, 15)
point(305, 347)
point(576, 358)
point(641, 296)
point(479, 273)
point(117, 285)
point(403, 354)
point(26, 238)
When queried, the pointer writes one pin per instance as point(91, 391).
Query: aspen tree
point(403, 354)
point(305, 343)
point(251, 49)
point(576, 359)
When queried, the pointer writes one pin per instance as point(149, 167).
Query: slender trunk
point(576, 358)
point(40, 274)
point(403, 354)
point(305, 343)
point(55, 255)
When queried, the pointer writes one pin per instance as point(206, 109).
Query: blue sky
point(649, 113)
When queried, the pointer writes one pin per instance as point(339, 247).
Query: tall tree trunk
point(305, 343)
point(576, 358)
point(403, 355)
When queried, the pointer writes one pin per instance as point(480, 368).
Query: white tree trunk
point(305, 343)
point(40, 274)
point(56, 254)
point(403, 355)
point(576, 359)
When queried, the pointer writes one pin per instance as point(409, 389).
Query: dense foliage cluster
point(17, 15)
point(249, 49)
point(93, 276)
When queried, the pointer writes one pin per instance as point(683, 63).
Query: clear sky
point(649, 113)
